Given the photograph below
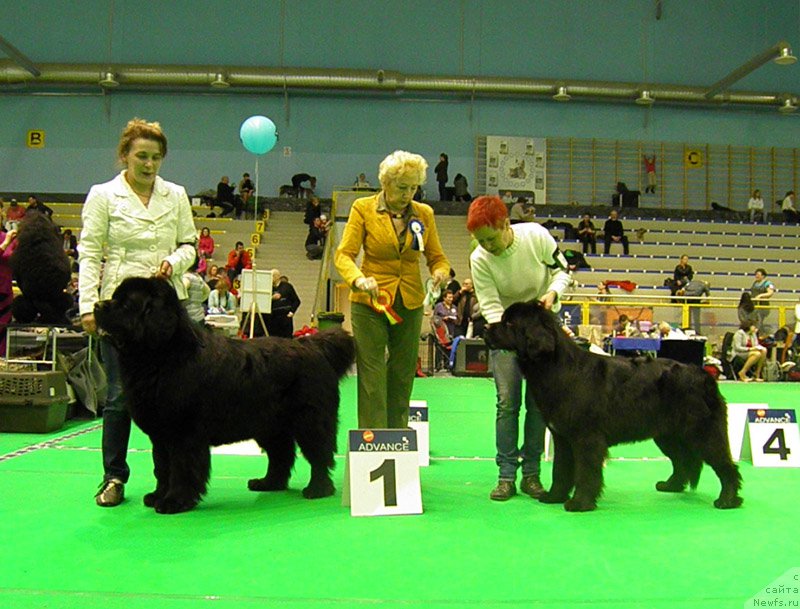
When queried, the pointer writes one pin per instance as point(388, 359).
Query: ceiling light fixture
point(562, 95)
point(788, 106)
point(785, 58)
point(108, 80)
point(645, 99)
point(219, 81)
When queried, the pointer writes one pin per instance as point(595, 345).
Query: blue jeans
point(116, 419)
point(508, 381)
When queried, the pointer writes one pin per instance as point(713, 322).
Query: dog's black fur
point(189, 388)
point(591, 402)
point(42, 271)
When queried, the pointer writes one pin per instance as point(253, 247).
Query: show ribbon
point(382, 303)
point(417, 229)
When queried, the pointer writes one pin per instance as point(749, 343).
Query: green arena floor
point(240, 549)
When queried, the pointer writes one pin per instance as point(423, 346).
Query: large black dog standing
point(591, 402)
point(189, 388)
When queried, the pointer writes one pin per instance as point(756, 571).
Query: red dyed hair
point(486, 211)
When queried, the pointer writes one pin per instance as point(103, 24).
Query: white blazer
point(135, 239)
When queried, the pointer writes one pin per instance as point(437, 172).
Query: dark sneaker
point(111, 493)
point(504, 491)
point(531, 485)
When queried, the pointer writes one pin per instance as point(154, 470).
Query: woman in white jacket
point(143, 226)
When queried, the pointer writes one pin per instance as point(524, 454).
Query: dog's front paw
point(267, 484)
point(174, 505)
point(319, 490)
point(577, 505)
point(151, 499)
point(551, 497)
point(728, 503)
point(670, 486)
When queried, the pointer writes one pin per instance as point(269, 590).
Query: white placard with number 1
point(382, 473)
point(773, 438)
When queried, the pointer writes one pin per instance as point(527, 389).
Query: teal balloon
point(258, 134)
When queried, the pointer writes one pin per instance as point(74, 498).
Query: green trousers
point(384, 384)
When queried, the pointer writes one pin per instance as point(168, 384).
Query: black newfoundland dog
point(189, 388)
point(591, 402)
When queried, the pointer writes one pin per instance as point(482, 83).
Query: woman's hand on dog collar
point(88, 323)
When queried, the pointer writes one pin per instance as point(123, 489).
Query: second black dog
point(591, 402)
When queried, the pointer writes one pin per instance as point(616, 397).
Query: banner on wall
point(516, 167)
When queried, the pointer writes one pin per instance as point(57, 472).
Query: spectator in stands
point(361, 183)
point(445, 312)
point(667, 332)
point(460, 186)
point(8, 242)
point(388, 285)
point(238, 260)
point(613, 232)
point(220, 300)
point(303, 192)
point(697, 292)
point(36, 205)
point(70, 244)
point(140, 224)
point(790, 214)
point(205, 245)
point(212, 276)
point(511, 264)
point(285, 303)
point(587, 234)
point(14, 214)
point(315, 241)
point(197, 293)
point(756, 206)
point(225, 197)
point(683, 273)
point(465, 301)
point(650, 170)
point(761, 291)
point(747, 352)
point(521, 211)
point(313, 211)
point(747, 310)
point(246, 190)
point(441, 176)
point(451, 283)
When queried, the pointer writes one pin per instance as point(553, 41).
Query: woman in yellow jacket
point(387, 294)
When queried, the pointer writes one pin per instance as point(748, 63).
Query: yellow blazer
point(383, 259)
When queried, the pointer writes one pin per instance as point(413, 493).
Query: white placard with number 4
point(382, 473)
point(773, 438)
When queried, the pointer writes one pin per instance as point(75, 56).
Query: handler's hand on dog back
point(548, 300)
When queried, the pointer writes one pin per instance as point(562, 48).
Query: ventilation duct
point(82, 77)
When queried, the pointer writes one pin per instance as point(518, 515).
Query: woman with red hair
point(512, 264)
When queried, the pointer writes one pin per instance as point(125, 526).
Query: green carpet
point(239, 549)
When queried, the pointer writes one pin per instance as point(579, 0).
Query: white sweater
point(524, 271)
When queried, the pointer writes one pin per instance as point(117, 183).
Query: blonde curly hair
point(399, 162)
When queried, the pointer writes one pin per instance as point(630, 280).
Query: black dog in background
point(591, 402)
point(189, 388)
point(42, 270)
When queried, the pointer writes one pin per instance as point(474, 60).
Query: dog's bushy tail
point(337, 346)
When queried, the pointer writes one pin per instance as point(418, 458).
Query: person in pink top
point(205, 249)
point(8, 242)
